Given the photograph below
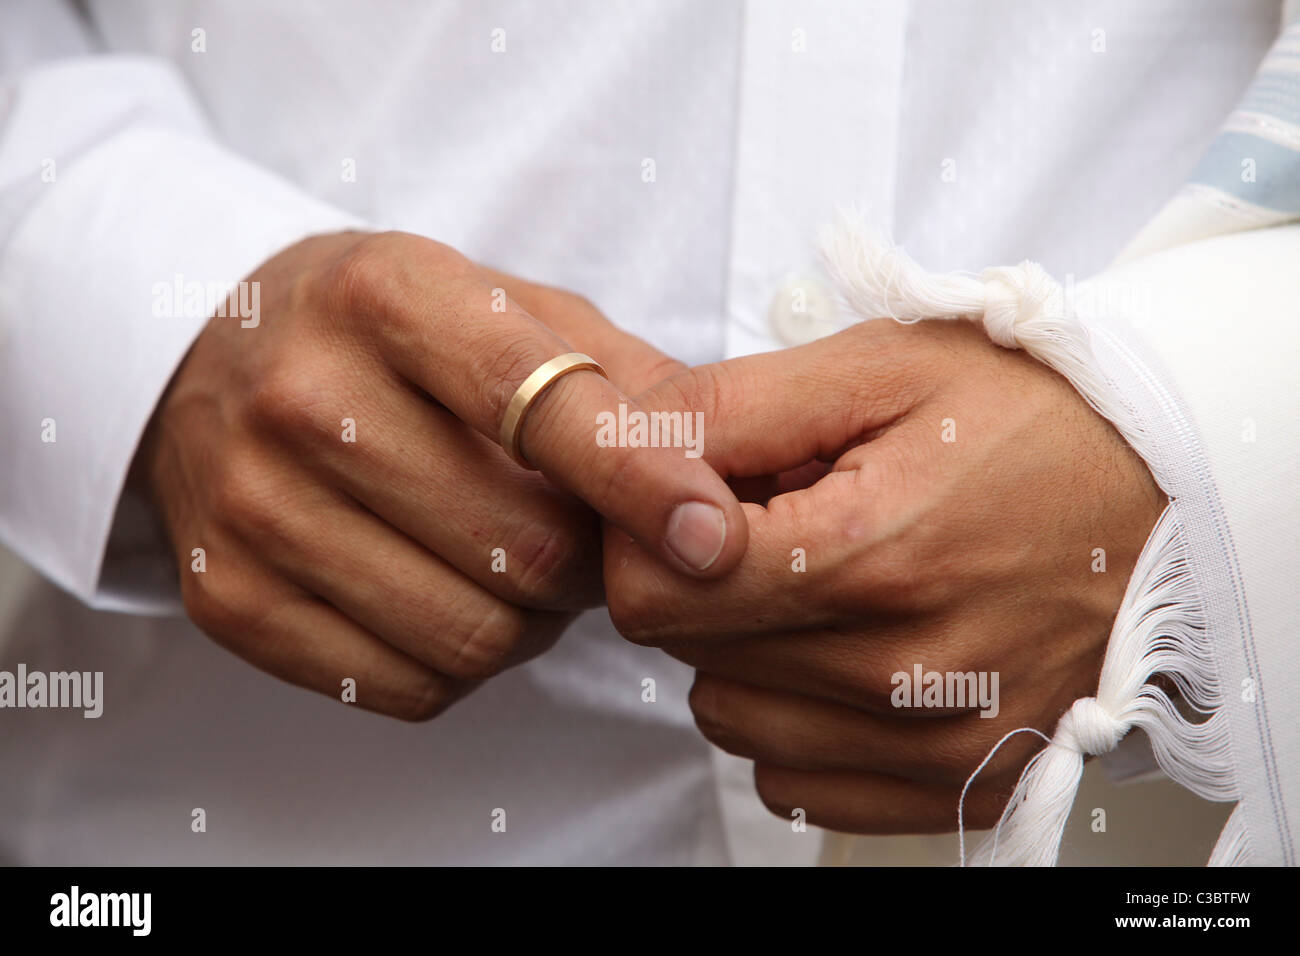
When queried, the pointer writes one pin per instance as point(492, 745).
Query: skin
point(372, 559)
point(971, 555)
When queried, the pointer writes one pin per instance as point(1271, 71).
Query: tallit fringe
point(1161, 626)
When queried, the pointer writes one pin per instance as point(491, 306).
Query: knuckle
point(635, 611)
point(935, 650)
point(709, 384)
point(215, 605)
point(435, 256)
point(290, 400)
point(712, 717)
point(513, 354)
point(547, 562)
point(364, 274)
point(486, 647)
point(773, 792)
point(356, 287)
point(703, 701)
point(694, 389)
point(427, 701)
point(233, 496)
point(660, 368)
point(874, 677)
point(246, 503)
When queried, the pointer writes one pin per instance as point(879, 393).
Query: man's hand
point(957, 528)
point(337, 464)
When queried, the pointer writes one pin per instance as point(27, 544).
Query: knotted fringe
point(1160, 629)
point(1161, 625)
point(1021, 307)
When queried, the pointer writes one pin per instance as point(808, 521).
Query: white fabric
point(200, 163)
point(1210, 362)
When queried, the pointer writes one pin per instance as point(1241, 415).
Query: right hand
point(372, 559)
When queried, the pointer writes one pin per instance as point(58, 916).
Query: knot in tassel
point(1015, 296)
point(880, 280)
point(1088, 728)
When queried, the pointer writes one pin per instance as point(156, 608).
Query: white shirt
point(673, 161)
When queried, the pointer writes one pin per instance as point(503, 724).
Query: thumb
point(637, 471)
point(775, 412)
point(674, 504)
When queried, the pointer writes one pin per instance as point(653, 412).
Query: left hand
point(949, 496)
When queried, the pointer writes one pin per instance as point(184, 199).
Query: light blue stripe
point(1275, 94)
point(1277, 171)
point(1272, 105)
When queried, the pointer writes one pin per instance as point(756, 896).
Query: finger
point(853, 802)
point(632, 363)
point(776, 411)
point(440, 331)
point(651, 603)
point(299, 638)
point(852, 668)
point(419, 604)
point(428, 474)
point(807, 733)
point(816, 558)
point(856, 666)
point(761, 489)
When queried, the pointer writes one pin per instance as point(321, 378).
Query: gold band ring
point(543, 378)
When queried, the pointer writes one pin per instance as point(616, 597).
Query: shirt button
point(802, 310)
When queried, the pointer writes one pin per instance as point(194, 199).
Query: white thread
point(1015, 297)
point(961, 802)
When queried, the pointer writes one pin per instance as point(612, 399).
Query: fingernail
point(696, 534)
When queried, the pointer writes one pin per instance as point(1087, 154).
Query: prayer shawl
point(1188, 344)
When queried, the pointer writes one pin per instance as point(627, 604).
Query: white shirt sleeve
point(111, 186)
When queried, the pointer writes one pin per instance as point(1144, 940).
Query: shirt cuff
point(88, 339)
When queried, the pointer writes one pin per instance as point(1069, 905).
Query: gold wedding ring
point(543, 378)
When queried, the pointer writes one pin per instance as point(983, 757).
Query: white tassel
point(1161, 625)
point(1020, 307)
point(1160, 629)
